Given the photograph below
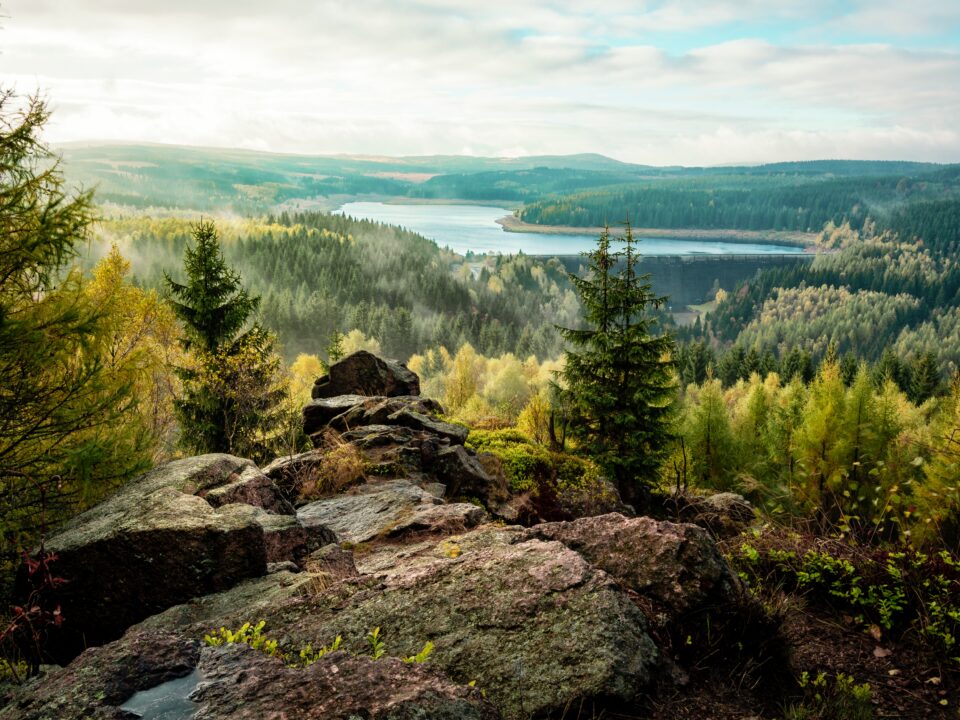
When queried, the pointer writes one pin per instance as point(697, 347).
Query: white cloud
point(435, 76)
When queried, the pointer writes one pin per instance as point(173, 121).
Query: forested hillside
point(318, 273)
point(892, 288)
point(746, 201)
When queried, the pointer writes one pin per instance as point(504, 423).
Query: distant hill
point(210, 179)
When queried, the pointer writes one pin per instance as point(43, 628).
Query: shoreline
point(510, 223)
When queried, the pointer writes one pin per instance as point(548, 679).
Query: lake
point(473, 227)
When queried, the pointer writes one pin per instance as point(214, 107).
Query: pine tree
point(233, 388)
point(924, 378)
point(619, 376)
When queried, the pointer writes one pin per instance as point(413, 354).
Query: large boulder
point(240, 683)
point(388, 509)
point(677, 566)
point(363, 373)
point(532, 622)
point(163, 539)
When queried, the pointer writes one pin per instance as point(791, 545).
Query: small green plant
point(420, 657)
point(248, 634)
point(377, 647)
point(13, 670)
point(838, 698)
point(308, 656)
point(890, 590)
point(252, 635)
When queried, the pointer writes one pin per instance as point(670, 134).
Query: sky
point(661, 82)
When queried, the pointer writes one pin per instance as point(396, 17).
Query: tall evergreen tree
point(618, 375)
point(233, 387)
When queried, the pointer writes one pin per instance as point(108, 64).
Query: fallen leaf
point(893, 673)
point(933, 681)
point(876, 633)
point(879, 652)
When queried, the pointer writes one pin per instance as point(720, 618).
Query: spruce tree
point(619, 375)
point(232, 389)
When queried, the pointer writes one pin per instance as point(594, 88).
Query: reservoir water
point(474, 228)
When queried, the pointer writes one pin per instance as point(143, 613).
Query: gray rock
point(285, 539)
point(363, 373)
point(464, 476)
point(676, 565)
point(438, 490)
point(318, 413)
point(387, 509)
point(99, 680)
point(239, 683)
point(153, 545)
point(732, 506)
point(384, 411)
point(456, 434)
point(531, 621)
point(514, 616)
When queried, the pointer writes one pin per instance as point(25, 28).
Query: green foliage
point(212, 305)
point(70, 431)
point(233, 389)
point(890, 591)
point(861, 460)
point(318, 273)
point(247, 634)
point(375, 643)
point(565, 483)
point(525, 464)
point(838, 698)
point(618, 376)
point(252, 635)
point(308, 656)
point(422, 656)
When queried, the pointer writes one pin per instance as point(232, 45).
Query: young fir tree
point(619, 376)
point(233, 388)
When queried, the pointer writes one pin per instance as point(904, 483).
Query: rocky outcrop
point(590, 614)
point(531, 621)
point(164, 538)
point(398, 437)
point(346, 412)
point(363, 373)
point(242, 684)
point(723, 514)
point(388, 509)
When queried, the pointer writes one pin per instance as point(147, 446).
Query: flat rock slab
point(387, 509)
point(318, 413)
point(240, 683)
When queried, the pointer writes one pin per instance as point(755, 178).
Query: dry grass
point(340, 467)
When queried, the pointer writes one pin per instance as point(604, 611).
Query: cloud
point(435, 76)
